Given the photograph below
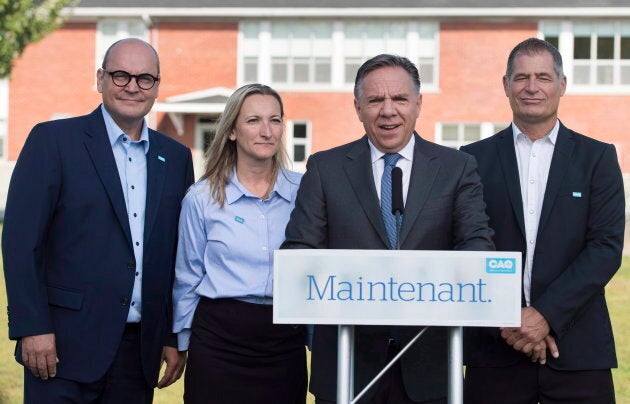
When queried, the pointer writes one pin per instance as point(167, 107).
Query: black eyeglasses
point(121, 78)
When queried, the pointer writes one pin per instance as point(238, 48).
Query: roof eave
point(350, 12)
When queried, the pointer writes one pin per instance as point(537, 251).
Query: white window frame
point(564, 30)
point(122, 31)
point(486, 129)
point(201, 125)
point(291, 142)
point(420, 41)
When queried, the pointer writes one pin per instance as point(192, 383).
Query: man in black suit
point(557, 196)
point(338, 207)
point(89, 244)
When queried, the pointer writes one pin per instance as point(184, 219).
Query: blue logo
point(500, 265)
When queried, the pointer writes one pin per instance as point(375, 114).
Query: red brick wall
point(196, 56)
point(332, 116)
point(55, 75)
point(472, 64)
point(473, 56)
point(600, 117)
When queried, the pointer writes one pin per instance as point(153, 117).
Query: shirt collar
point(552, 136)
point(234, 190)
point(406, 152)
point(114, 132)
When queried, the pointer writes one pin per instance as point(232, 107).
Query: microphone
point(397, 192)
point(398, 205)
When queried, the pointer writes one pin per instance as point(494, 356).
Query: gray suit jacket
point(337, 207)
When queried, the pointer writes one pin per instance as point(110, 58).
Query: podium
point(397, 287)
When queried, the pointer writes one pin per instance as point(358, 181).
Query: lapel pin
point(162, 159)
point(239, 219)
point(577, 194)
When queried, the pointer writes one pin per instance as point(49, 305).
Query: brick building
point(310, 55)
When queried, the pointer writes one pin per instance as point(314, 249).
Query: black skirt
point(238, 356)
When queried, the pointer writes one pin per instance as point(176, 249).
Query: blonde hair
point(221, 156)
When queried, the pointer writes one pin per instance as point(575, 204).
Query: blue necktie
point(386, 198)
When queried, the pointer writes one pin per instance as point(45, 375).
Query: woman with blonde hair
point(231, 222)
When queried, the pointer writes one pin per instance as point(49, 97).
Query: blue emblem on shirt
point(239, 219)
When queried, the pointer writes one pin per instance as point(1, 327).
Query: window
point(299, 143)
point(363, 40)
point(110, 31)
point(415, 40)
point(322, 54)
point(459, 134)
point(596, 54)
point(206, 130)
point(286, 52)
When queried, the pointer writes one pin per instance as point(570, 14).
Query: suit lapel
point(100, 151)
point(560, 162)
point(423, 173)
point(358, 168)
point(507, 158)
point(156, 167)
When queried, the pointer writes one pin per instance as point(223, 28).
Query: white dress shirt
point(533, 160)
point(404, 163)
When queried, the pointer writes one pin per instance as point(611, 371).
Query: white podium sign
point(384, 287)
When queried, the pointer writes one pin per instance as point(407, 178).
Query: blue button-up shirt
point(131, 162)
point(228, 252)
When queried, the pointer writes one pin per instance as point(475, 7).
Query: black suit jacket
point(578, 246)
point(337, 207)
point(68, 254)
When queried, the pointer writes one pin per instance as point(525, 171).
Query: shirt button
point(137, 273)
point(531, 241)
point(135, 215)
point(264, 248)
point(531, 212)
point(133, 187)
point(129, 158)
point(137, 243)
point(124, 139)
point(531, 181)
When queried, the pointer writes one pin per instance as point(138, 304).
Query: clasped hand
point(532, 337)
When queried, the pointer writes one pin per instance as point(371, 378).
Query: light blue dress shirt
point(131, 161)
point(228, 252)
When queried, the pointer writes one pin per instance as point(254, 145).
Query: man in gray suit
point(338, 206)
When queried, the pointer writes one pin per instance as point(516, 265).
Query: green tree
point(23, 22)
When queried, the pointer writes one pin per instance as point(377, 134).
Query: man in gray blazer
point(338, 207)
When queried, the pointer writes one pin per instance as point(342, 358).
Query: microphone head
point(398, 205)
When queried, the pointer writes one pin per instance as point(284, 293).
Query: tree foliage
point(23, 22)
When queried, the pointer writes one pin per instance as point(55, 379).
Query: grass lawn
point(618, 297)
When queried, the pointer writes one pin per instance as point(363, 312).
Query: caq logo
point(500, 265)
